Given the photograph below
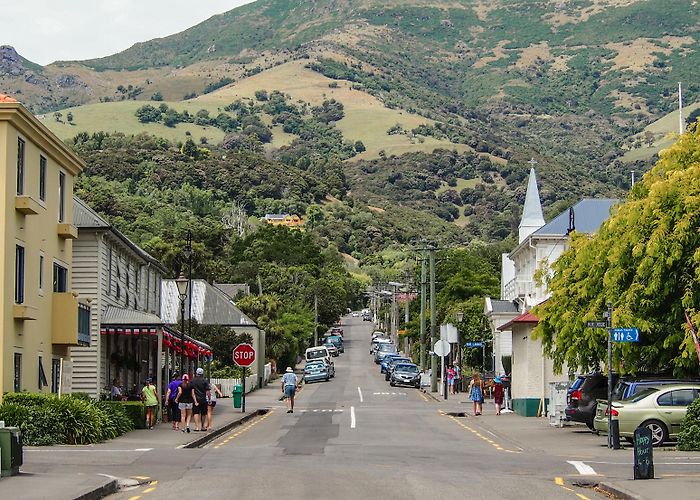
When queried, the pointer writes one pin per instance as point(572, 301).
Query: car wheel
point(590, 425)
point(392, 384)
point(327, 379)
point(417, 386)
point(659, 432)
point(386, 377)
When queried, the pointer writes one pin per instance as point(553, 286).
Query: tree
point(157, 96)
point(57, 115)
point(645, 260)
point(69, 118)
point(693, 117)
point(360, 147)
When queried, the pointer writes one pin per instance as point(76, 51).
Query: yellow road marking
point(252, 424)
point(481, 436)
point(141, 477)
point(135, 498)
point(148, 490)
point(153, 483)
point(559, 481)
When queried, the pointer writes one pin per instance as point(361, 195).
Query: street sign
point(596, 324)
point(625, 334)
point(244, 355)
point(474, 344)
point(441, 348)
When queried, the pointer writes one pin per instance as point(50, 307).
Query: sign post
point(244, 356)
point(442, 349)
point(608, 318)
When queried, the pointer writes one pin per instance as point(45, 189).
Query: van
point(319, 352)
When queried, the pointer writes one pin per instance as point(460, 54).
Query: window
point(41, 272)
point(55, 374)
point(19, 274)
point(119, 291)
point(20, 166)
point(42, 375)
point(60, 278)
point(128, 275)
point(109, 271)
point(42, 178)
point(61, 197)
point(681, 397)
point(137, 272)
point(18, 372)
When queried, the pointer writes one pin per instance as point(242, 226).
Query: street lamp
point(187, 251)
point(182, 285)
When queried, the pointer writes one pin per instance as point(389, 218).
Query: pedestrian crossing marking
point(317, 410)
point(389, 393)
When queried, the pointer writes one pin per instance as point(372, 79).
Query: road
point(356, 437)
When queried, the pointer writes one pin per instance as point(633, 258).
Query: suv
point(582, 401)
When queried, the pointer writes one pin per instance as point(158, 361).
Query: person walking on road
point(476, 393)
point(289, 387)
point(200, 398)
point(458, 378)
point(498, 394)
point(451, 379)
point(184, 401)
point(149, 394)
point(170, 395)
point(211, 403)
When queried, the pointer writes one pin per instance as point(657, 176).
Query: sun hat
point(289, 369)
point(200, 371)
point(497, 380)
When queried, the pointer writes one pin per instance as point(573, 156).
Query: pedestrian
point(498, 394)
point(149, 394)
point(116, 390)
point(184, 403)
point(289, 387)
point(476, 393)
point(458, 379)
point(200, 398)
point(170, 395)
point(211, 403)
point(451, 379)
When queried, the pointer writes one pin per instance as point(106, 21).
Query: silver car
point(383, 350)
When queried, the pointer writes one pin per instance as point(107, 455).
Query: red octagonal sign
point(244, 355)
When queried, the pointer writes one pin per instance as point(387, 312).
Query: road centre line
point(352, 417)
point(244, 429)
point(478, 434)
point(582, 468)
point(560, 482)
point(360, 392)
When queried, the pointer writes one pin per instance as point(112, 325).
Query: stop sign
point(244, 355)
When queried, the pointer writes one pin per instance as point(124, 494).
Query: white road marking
point(352, 417)
point(360, 392)
point(92, 450)
point(582, 468)
point(389, 393)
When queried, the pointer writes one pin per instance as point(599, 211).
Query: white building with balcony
point(540, 244)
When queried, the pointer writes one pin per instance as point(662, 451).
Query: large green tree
point(645, 260)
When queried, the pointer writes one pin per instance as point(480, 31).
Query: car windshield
point(387, 348)
point(316, 354)
point(394, 361)
point(334, 338)
point(641, 395)
point(407, 368)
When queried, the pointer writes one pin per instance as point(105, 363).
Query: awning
point(171, 339)
point(527, 317)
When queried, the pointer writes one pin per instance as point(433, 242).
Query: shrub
point(689, 437)
point(136, 411)
point(118, 415)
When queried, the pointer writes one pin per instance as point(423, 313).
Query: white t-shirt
point(212, 391)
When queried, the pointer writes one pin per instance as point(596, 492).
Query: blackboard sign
point(643, 454)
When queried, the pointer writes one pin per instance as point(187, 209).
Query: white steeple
point(532, 218)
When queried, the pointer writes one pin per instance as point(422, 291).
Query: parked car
point(332, 349)
point(385, 362)
point(391, 365)
point(575, 386)
point(316, 353)
point(376, 342)
point(583, 401)
point(316, 370)
point(660, 410)
point(336, 330)
point(405, 374)
point(626, 388)
point(355, 314)
point(336, 341)
point(382, 350)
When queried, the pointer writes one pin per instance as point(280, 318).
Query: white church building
point(509, 317)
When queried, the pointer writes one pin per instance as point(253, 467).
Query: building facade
point(40, 312)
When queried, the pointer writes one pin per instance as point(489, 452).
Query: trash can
point(10, 451)
point(237, 396)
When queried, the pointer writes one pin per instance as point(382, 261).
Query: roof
point(118, 316)
point(233, 289)
point(527, 317)
point(86, 218)
point(532, 209)
point(503, 306)
point(6, 98)
point(210, 306)
point(276, 216)
point(589, 215)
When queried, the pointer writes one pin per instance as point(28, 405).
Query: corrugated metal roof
point(118, 316)
point(589, 214)
point(210, 306)
point(527, 317)
point(503, 306)
point(233, 289)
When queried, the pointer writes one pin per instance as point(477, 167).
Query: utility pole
point(610, 373)
point(681, 125)
point(315, 319)
point(423, 279)
point(433, 358)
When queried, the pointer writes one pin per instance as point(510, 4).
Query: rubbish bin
point(237, 396)
point(10, 451)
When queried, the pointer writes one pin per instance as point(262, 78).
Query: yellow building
point(284, 220)
point(40, 316)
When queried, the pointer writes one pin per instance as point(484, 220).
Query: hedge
point(689, 437)
point(45, 420)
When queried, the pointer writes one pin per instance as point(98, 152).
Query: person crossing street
point(289, 388)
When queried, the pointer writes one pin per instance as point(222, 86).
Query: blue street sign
point(474, 344)
point(625, 334)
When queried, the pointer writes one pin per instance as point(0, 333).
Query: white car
point(320, 352)
point(355, 315)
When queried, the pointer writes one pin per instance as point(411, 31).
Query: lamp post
point(187, 251)
point(182, 283)
point(459, 316)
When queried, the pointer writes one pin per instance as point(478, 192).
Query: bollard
point(615, 433)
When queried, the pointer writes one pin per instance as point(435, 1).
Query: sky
point(44, 31)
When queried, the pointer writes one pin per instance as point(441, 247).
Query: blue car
point(337, 341)
point(315, 371)
point(385, 362)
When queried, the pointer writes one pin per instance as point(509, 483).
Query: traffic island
point(210, 436)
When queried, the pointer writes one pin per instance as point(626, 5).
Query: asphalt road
point(357, 437)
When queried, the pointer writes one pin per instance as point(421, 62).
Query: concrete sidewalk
point(94, 471)
point(613, 470)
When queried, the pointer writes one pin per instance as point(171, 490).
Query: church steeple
point(532, 218)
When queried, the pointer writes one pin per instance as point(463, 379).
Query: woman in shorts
point(185, 401)
point(150, 398)
point(213, 391)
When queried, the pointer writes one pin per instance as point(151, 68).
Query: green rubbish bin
point(10, 451)
point(237, 396)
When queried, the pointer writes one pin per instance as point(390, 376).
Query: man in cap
point(289, 388)
point(200, 396)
